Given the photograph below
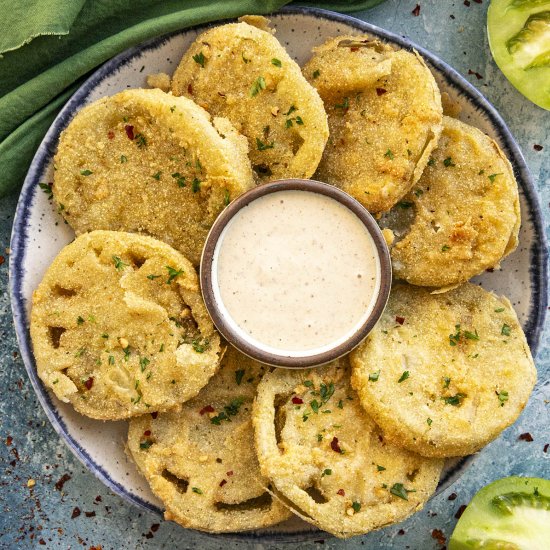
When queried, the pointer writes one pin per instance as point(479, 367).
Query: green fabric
point(48, 45)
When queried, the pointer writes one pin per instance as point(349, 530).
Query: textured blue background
point(30, 449)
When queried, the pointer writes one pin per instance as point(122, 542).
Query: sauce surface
point(296, 271)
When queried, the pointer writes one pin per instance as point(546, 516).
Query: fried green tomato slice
point(243, 73)
point(119, 327)
point(201, 461)
point(147, 162)
point(444, 374)
point(465, 211)
point(327, 459)
point(384, 112)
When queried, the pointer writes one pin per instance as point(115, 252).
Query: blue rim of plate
point(19, 238)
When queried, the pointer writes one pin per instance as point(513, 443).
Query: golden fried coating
point(119, 327)
point(443, 375)
point(328, 460)
point(241, 72)
point(147, 162)
point(465, 208)
point(384, 112)
point(201, 461)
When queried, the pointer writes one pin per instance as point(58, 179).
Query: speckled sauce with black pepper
point(297, 271)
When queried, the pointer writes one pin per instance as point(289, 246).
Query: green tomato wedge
point(519, 37)
point(509, 514)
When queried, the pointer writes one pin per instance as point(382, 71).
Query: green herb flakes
point(493, 176)
point(326, 472)
point(143, 362)
point(448, 162)
point(196, 490)
point(499, 310)
point(172, 274)
point(259, 84)
point(445, 247)
point(119, 264)
point(398, 490)
point(276, 62)
point(157, 176)
point(144, 445)
point(86, 172)
point(199, 59)
point(356, 506)
point(506, 330)
point(502, 397)
point(388, 154)
point(316, 73)
point(403, 377)
point(47, 189)
point(344, 105)
point(380, 468)
point(196, 185)
point(226, 197)
point(79, 320)
point(228, 411)
point(239, 376)
point(429, 421)
point(454, 400)
point(200, 345)
point(264, 146)
point(374, 376)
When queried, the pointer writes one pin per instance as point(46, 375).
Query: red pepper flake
point(229, 474)
point(129, 131)
point(400, 320)
point(380, 91)
point(478, 1)
point(61, 481)
point(297, 400)
point(154, 415)
point(460, 511)
point(526, 437)
point(438, 535)
point(42, 542)
point(416, 11)
point(452, 496)
point(223, 482)
point(490, 270)
point(76, 512)
point(334, 445)
point(190, 89)
point(147, 433)
point(341, 492)
point(111, 134)
point(2, 260)
point(537, 147)
point(207, 409)
point(9, 440)
point(98, 498)
point(155, 527)
point(89, 383)
point(545, 449)
point(89, 514)
point(401, 532)
point(478, 76)
point(355, 49)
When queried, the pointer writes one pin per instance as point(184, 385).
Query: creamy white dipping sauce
point(296, 271)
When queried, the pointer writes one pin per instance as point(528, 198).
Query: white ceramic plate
point(39, 233)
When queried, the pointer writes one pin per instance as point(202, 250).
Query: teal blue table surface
point(48, 499)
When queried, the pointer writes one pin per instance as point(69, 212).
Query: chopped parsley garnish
point(196, 185)
point(493, 176)
point(316, 73)
point(259, 84)
point(445, 247)
point(239, 376)
point(373, 376)
point(126, 351)
point(481, 172)
point(429, 421)
point(405, 204)
point(448, 162)
point(446, 381)
point(119, 264)
point(199, 59)
point(344, 105)
point(140, 140)
point(153, 277)
point(172, 274)
point(326, 472)
point(389, 154)
point(145, 444)
point(86, 172)
point(173, 108)
point(104, 335)
point(398, 490)
point(340, 404)
point(299, 121)
point(157, 176)
point(245, 59)
point(200, 345)
point(506, 330)
point(79, 320)
point(403, 377)
point(263, 146)
point(418, 192)
point(276, 62)
point(319, 437)
point(291, 109)
point(471, 335)
point(502, 397)
point(499, 310)
point(431, 162)
point(326, 391)
point(111, 360)
point(315, 406)
point(228, 411)
point(226, 198)
point(180, 180)
point(308, 383)
point(454, 400)
point(356, 506)
point(123, 159)
point(47, 189)
point(143, 362)
point(196, 490)
point(380, 468)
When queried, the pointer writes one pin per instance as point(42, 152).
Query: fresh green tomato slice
point(509, 514)
point(519, 37)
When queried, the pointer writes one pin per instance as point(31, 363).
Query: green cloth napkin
point(48, 47)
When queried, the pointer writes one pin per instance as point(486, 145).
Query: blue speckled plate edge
point(539, 273)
